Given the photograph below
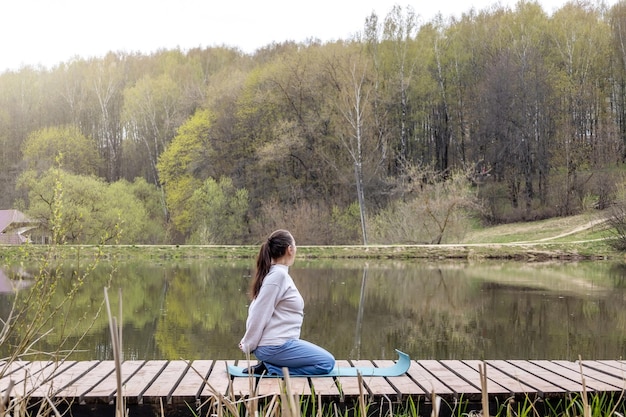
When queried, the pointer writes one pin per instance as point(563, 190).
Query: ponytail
point(274, 247)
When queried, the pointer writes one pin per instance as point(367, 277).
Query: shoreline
point(525, 251)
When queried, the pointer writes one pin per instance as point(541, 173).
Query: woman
point(275, 315)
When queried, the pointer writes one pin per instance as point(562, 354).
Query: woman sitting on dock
point(275, 315)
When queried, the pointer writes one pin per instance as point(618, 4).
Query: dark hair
point(274, 247)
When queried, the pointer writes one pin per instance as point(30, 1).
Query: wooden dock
point(181, 383)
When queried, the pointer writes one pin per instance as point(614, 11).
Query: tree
point(219, 213)
point(150, 197)
point(183, 167)
point(353, 126)
point(437, 211)
point(153, 110)
point(618, 43)
point(107, 85)
point(64, 145)
point(399, 54)
point(84, 209)
point(580, 42)
point(514, 119)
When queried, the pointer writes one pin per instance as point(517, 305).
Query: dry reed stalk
point(52, 406)
point(390, 406)
point(6, 397)
point(120, 325)
point(229, 404)
point(482, 369)
point(361, 395)
point(253, 409)
point(436, 400)
point(586, 408)
point(117, 347)
point(272, 407)
point(290, 400)
point(319, 408)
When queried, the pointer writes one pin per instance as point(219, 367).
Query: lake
point(357, 309)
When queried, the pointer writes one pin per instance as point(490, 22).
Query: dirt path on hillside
point(579, 229)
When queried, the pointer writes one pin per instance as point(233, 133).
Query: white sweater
point(275, 315)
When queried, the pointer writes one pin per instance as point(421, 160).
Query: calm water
point(355, 309)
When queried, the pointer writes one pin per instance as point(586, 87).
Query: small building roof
point(13, 218)
point(12, 224)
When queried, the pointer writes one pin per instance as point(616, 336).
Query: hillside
point(583, 227)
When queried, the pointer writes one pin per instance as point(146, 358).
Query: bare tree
point(353, 85)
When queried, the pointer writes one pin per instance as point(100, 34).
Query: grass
point(572, 228)
point(574, 237)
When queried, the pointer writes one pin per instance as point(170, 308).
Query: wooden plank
point(619, 367)
point(175, 381)
point(427, 381)
point(267, 387)
point(300, 386)
point(166, 382)
point(192, 383)
point(9, 370)
point(375, 385)
point(68, 377)
point(218, 381)
point(452, 380)
point(87, 381)
point(472, 375)
point(403, 384)
point(613, 368)
point(244, 387)
point(19, 372)
point(142, 379)
point(349, 386)
point(592, 372)
point(58, 375)
point(107, 387)
point(32, 375)
point(324, 387)
point(593, 384)
point(540, 385)
point(272, 386)
point(566, 384)
point(41, 380)
point(500, 378)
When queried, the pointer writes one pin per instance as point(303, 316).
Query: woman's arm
point(259, 315)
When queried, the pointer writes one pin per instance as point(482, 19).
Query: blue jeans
point(300, 356)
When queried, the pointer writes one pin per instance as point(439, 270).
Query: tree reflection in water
point(362, 309)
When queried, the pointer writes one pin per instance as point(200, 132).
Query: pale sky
point(48, 32)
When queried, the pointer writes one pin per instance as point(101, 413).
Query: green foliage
point(535, 98)
point(64, 145)
point(153, 109)
point(151, 198)
point(219, 215)
point(346, 224)
point(183, 165)
point(93, 211)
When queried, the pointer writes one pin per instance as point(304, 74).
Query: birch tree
point(107, 84)
point(353, 129)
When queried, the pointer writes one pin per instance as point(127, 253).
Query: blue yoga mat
point(399, 368)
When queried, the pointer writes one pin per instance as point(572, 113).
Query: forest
point(410, 132)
